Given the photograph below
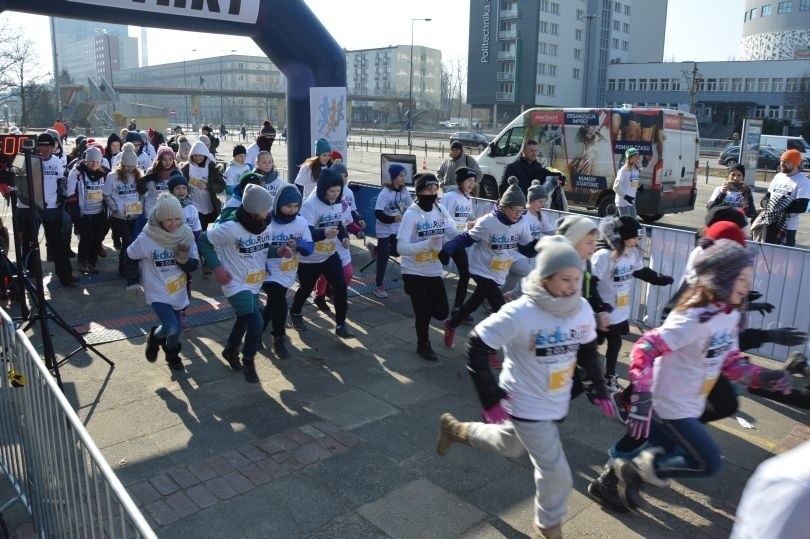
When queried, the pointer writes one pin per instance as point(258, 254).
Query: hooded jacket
point(216, 184)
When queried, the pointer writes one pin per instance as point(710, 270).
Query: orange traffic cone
point(424, 163)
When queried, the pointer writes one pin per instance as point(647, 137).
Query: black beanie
point(726, 213)
point(239, 150)
point(423, 180)
point(628, 228)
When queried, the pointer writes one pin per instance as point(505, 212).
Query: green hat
point(630, 152)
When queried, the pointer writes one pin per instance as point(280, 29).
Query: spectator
point(457, 159)
point(786, 199)
point(525, 168)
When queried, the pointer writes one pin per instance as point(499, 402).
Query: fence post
point(707, 172)
point(396, 146)
point(425, 147)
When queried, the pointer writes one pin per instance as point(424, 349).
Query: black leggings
point(275, 311)
point(308, 274)
point(485, 289)
point(92, 229)
point(463, 267)
point(429, 299)
point(125, 229)
point(613, 336)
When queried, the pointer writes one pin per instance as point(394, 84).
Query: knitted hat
point(726, 213)
point(575, 227)
point(614, 230)
point(133, 136)
point(738, 167)
point(286, 194)
point(267, 128)
point(239, 150)
point(128, 156)
point(166, 207)
point(322, 146)
point(555, 253)
point(206, 129)
point(176, 179)
point(205, 140)
point(248, 178)
point(513, 196)
point(184, 146)
point(719, 264)
point(340, 168)
point(630, 152)
point(327, 179)
point(336, 156)
point(256, 199)
point(46, 139)
point(537, 191)
point(794, 157)
point(144, 136)
point(426, 179)
point(395, 170)
point(93, 154)
point(725, 230)
point(54, 133)
point(456, 146)
point(462, 173)
point(165, 150)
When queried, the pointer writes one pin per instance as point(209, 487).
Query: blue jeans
point(249, 323)
point(689, 450)
point(169, 327)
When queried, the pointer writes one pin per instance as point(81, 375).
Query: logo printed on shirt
point(252, 244)
point(125, 189)
point(425, 229)
point(555, 342)
point(333, 218)
point(720, 344)
point(163, 258)
point(622, 272)
point(279, 239)
point(503, 242)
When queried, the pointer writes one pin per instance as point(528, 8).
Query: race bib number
point(560, 378)
point(500, 265)
point(175, 285)
point(427, 257)
point(94, 195)
point(198, 183)
point(634, 184)
point(461, 227)
point(289, 265)
point(325, 247)
point(255, 277)
point(133, 209)
point(623, 299)
point(708, 384)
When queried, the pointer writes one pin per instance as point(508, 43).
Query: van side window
point(510, 142)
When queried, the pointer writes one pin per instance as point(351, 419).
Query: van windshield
point(797, 144)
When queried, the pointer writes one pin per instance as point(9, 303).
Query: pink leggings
point(320, 286)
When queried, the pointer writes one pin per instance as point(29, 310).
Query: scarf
point(248, 222)
point(563, 307)
point(182, 235)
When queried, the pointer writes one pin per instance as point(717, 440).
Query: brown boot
point(553, 532)
point(451, 431)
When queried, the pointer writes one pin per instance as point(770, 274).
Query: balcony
point(506, 55)
point(504, 35)
point(508, 14)
point(505, 97)
point(506, 76)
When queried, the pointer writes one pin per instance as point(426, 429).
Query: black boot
point(173, 357)
point(153, 345)
point(231, 355)
point(250, 370)
point(280, 348)
point(426, 351)
point(605, 490)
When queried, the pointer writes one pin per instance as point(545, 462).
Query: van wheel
point(488, 188)
point(651, 218)
point(606, 206)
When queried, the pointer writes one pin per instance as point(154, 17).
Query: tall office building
point(91, 49)
point(525, 53)
point(775, 30)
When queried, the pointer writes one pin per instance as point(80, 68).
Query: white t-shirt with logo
point(420, 238)
point(125, 195)
point(796, 186)
point(242, 253)
point(284, 270)
point(540, 355)
point(459, 207)
point(232, 173)
point(683, 378)
point(321, 215)
point(392, 203)
point(192, 218)
point(616, 280)
point(495, 247)
point(198, 188)
point(162, 279)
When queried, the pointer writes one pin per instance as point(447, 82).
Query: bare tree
point(456, 72)
point(20, 78)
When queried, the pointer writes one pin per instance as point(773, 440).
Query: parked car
point(768, 158)
point(472, 140)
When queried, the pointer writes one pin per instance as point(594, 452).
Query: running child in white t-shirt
point(458, 203)
point(534, 389)
point(266, 167)
point(123, 201)
point(391, 204)
point(178, 186)
point(236, 167)
point(166, 251)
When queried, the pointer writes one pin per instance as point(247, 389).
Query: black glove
point(444, 257)
point(640, 189)
point(763, 308)
point(664, 280)
point(754, 295)
point(785, 336)
point(630, 199)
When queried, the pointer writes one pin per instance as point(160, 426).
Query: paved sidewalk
point(338, 441)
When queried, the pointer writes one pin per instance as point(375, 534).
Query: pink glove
point(640, 416)
point(606, 406)
point(495, 414)
point(284, 252)
point(222, 275)
point(776, 381)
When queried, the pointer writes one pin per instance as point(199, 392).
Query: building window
point(773, 112)
point(805, 85)
point(611, 85)
point(764, 85)
point(617, 25)
point(752, 14)
point(577, 54)
point(711, 85)
point(543, 27)
point(542, 48)
point(626, 27)
point(615, 43)
point(617, 7)
point(653, 85)
point(750, 84)
point(578, 34)
point(576, 73)
point(664, 85)
point(722, 85)
point(580, 14)
point(631, 84)
point(552, 70)
point(804, 5)
point(784, 7)
point(759, 111)
point(736, 85)
point(676, 85)
point(541, 69)
point(552, 49)
point(625, 45)
point(789, 113)
point(791, 85)
point(551, 90)
point(765, 11)
point(555, 8)
point(642, 85)
point(627, 10)
point(541, 89)
point(778, 85)
point(621, 85)
point(554, 28)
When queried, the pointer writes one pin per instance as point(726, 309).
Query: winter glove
point(606, 406)
point(181, 253)
point(444, 257)
point(776, 381)
point(640, 189)
point(763, 307)
point(630, 199)
point(754, 295)
point(222, 276)
point(640, 415)
point(785, 336)
point(135, 290)
point(495, 414)
point(664, 280)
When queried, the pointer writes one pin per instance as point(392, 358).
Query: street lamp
point(109, 63)
point(410, 85)
point(221, 87)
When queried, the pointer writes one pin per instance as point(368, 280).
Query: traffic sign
point(172, 113)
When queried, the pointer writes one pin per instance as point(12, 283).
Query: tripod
point(29, 278)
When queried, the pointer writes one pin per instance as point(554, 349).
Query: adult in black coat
point(525, 168)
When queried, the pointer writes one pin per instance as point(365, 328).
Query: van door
point(677, 177)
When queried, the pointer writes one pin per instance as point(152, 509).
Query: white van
point(782, 143)
point(587, 146)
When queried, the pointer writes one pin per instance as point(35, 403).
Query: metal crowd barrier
point(57, 472)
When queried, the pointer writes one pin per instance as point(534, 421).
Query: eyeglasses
point(516, 209)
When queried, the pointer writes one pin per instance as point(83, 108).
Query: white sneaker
point(380, 292)
point(645, 462)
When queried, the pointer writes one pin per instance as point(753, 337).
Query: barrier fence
point(781, 273)
point(57, 472)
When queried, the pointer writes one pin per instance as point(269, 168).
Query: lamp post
point(109, 63)
point(410, 84)
point(221, 86)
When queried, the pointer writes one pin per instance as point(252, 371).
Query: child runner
point(235, 200)
point(324, 214)
point(123, 201)
point(265, 165)
point(178, 186)
point(423, 231)
point(205, 183)
point(615, 264)
point(235, 168)
point(291, 230)
point(674, 367)
point(166, 251)
point(87, 181)
point(626, 184)
point(154, 182)
point(521, 409)
point(458, 203)
point(392, 202)
point(496, 238)
point(310, 170)
point(237, 251)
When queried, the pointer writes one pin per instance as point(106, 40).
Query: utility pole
point(693, 78)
